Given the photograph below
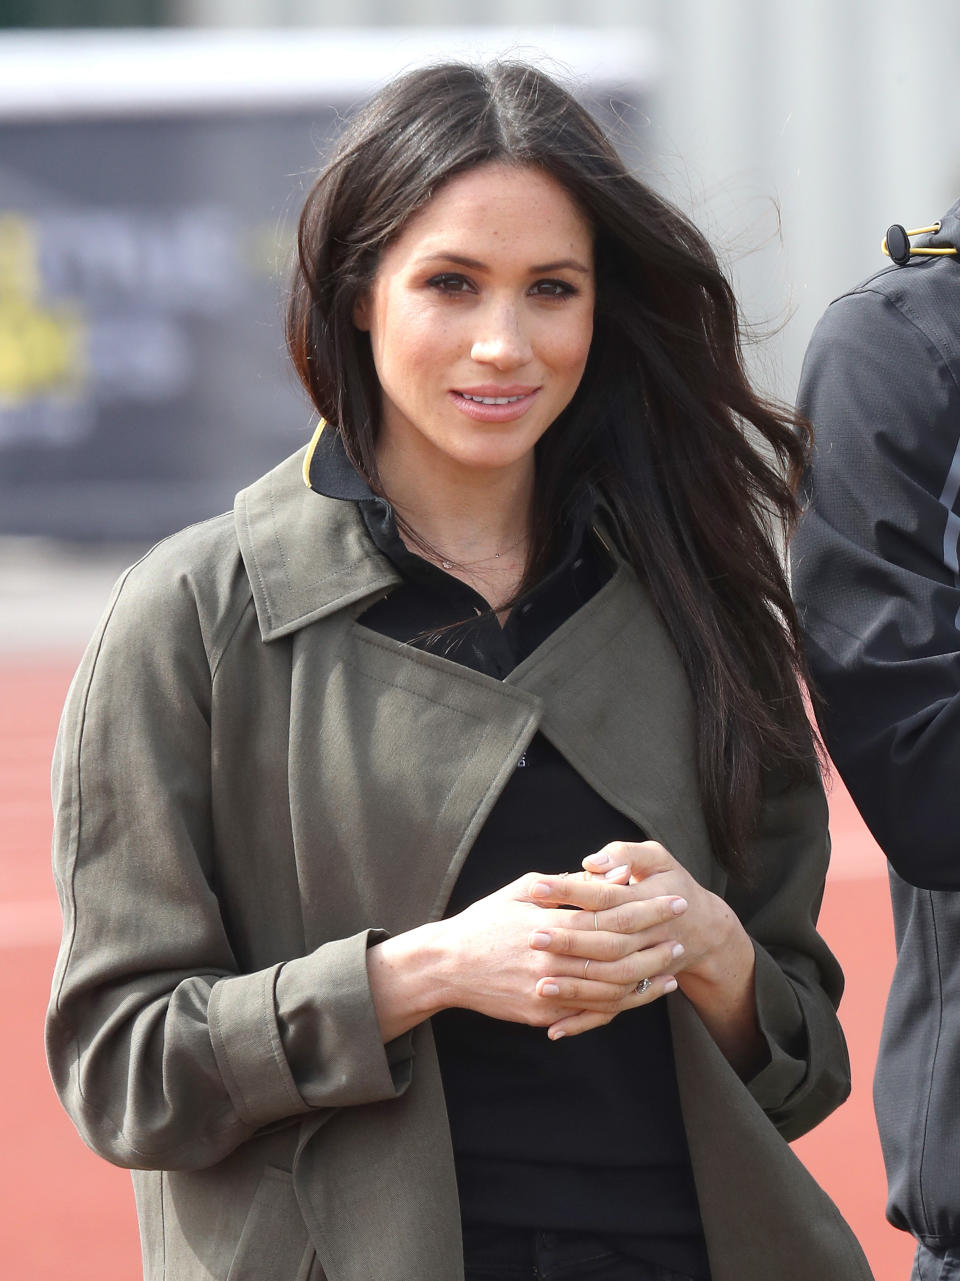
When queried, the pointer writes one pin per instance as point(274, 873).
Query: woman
point(329, 762)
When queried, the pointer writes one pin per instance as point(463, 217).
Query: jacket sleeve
point(798, 981)
point(875, 573)
point(164, 1053)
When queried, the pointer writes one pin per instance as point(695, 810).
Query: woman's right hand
point(488, 958)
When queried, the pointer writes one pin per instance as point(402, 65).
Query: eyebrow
point(571, 263)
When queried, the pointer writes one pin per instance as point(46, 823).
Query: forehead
point(498, 207)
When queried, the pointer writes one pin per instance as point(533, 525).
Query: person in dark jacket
point(875, 574)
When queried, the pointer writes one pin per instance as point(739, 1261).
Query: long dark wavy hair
point(697, 471)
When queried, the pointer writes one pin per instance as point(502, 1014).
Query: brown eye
point(553, 289)
point(449, 282)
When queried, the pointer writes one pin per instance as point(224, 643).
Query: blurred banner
point(150, 186)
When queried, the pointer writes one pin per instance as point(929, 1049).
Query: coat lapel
point(400, 757)
point(617, 705)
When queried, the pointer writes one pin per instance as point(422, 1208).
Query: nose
point(502, 339)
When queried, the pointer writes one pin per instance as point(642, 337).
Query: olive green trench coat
point(251, 788)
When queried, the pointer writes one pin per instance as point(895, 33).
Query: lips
point(491, 393)
point(496, 391)
point(494, 404)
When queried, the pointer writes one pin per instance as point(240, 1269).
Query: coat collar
point(306, 555)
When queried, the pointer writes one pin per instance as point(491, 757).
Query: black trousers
point(516, 1254)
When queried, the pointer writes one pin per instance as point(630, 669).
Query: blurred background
point(151, 177)
point(153, 158)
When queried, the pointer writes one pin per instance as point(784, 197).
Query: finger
point(587, 1020)
point(597, 984)
point(632, 916)
point(585, 994)
point(628, 971)
point(644, 858)
point(618, 876)
point(574, 1024)
point(599, 896)
point(640, 915)
point(548, 890)
point(588, 892)
point(593, 945)
point(602, 945)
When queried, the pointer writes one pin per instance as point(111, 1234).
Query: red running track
point(65, 1213)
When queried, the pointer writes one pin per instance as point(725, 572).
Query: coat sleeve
point(798, 981)
point(164, 1053)
point(875, 571)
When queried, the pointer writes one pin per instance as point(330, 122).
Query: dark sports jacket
point(875, 573)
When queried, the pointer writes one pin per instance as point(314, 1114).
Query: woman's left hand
point(708, 924)
point(716, 967)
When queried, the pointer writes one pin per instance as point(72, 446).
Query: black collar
point(328, 471)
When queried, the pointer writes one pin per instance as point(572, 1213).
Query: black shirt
point(584, 1133)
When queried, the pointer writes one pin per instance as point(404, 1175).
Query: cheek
point(569, 347)
point(408, 338)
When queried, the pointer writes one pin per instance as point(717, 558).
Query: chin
point(495, 450)
point(490, 459)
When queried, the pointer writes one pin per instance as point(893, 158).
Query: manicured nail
point(549, 989)
point(615, 871)
point(541, 891)
point(670, 985)
point(556, 1036)
point(678, 950)
point(597, 860)
point(678, 905)
point(540, 939)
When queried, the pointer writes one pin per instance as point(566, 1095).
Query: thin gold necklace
point(471, 564)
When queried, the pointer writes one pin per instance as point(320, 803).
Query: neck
point(473, 517)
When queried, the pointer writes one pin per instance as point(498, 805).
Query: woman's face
point(480, 318)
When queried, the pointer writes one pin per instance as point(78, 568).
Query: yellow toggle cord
point(920, 231)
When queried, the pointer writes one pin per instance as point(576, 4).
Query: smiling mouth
point(493, 400)
point(492, 404)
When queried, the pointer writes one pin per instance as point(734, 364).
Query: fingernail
point(670, 985)
point(615, 871)
point(540, 890)
point(597, 860)
point(678, 950)
point(540, 939)
point(678, 905)
point(556, 1036)
point(549, 989)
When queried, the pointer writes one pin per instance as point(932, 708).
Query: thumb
point(623, 861)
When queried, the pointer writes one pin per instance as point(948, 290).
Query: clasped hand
point(525, 957)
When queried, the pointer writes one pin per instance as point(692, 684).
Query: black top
point(584, 1133)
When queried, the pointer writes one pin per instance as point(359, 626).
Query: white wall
point(837, 113)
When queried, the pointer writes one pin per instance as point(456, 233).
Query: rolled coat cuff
point(808, 1074)
point(304, 1034)
point(781, 1022)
